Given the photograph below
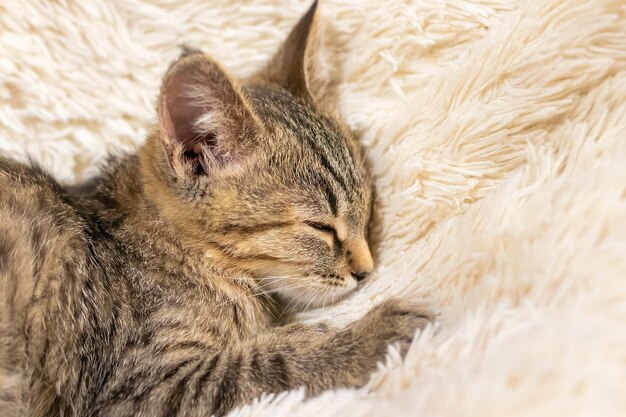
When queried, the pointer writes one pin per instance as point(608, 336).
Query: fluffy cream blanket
point(496, 132)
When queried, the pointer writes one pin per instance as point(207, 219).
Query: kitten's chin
point(305, 293)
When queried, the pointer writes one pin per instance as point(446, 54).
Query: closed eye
point(322, 227)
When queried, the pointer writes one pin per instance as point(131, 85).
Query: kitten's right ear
point(289, 68)
point(205, 122)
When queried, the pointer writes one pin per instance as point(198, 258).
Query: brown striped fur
point(155, 288)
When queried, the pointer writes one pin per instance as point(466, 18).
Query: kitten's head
point(261, 178)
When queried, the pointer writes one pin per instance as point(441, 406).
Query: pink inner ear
point(202, 113)
point(181, 111)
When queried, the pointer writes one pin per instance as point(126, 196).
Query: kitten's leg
point(320, 359)
point(285, 358)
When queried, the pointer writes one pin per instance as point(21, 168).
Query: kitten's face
point(260, 179)
point(297, 216)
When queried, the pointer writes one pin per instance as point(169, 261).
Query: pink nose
point(359, 259)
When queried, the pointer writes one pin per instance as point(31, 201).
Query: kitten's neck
point(112, 197)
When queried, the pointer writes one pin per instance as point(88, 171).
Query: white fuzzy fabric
point(496, 131)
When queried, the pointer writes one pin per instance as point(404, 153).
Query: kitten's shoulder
point(29, 194)
point(20, 175)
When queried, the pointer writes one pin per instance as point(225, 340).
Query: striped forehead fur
point(317, 137)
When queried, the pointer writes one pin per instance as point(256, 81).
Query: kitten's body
point(146, 291)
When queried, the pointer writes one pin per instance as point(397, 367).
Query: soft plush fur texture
point(495, 130)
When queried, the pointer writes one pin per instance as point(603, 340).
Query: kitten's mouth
point(300, 293)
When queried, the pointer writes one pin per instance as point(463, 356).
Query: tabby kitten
point(153, 289)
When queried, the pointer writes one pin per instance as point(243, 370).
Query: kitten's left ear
point(205, 122)
point(290, 66)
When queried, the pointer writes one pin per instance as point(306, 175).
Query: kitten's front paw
point(366, 340)
point(392, 321)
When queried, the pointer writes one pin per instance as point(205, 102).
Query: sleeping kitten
point(153, 289)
